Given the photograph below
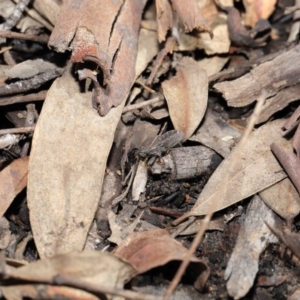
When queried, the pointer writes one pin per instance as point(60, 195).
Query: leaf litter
point(100, 175)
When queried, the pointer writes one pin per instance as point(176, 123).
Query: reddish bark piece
point(289, 160)
point(149, 249)
point(190, 15)
point(13, 179)
point(164, 18)
point(107, 37)
point(292, 119)
point(186, 94)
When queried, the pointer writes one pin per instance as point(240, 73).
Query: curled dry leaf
point(186, 94)
point(255, 170)
point(258, 9)
point(149, 249)
point(101, 268)
point(111, 42)
point(13, 179)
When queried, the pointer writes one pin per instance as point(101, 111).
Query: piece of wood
point(272, 76)
point(187, 162)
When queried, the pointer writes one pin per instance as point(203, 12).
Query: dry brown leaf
point(149, 249)
point(190, 15)
point(164, 18)
point(258, 9)
point(255, 170)
point(283, 198)
point(13, 179)
point(111, 43)
point(246, 89)
point(186, 94)
point(217, 134)
point(101, 268)
point(70, 147)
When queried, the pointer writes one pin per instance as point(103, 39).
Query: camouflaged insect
point(163, 143)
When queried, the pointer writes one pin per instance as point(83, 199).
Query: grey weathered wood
point(187, 162)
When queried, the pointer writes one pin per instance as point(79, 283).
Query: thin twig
point(17, 130)
point(15, 16)
point(154, 100)
point(43, 39)
point(23, 98)
point(206, 220)
point(29, 84)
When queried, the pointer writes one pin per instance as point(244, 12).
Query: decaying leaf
point(111, 42)
point(217, 134)
point(101, 268)
point(283, 198)
point(258, 9)
point(186, 94)
point(67, 182)
point(272, 76)
point(13, 179)
point(253, 238)
point(149, 249)
point(255, 170)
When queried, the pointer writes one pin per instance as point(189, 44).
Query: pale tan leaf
point(213, 65)
point(255, 170)
point(283, 198)
point(140, 180)
point(258, 9)
point(93, 267)
point(70, 147)
point(186, 94)
point(13, 179)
